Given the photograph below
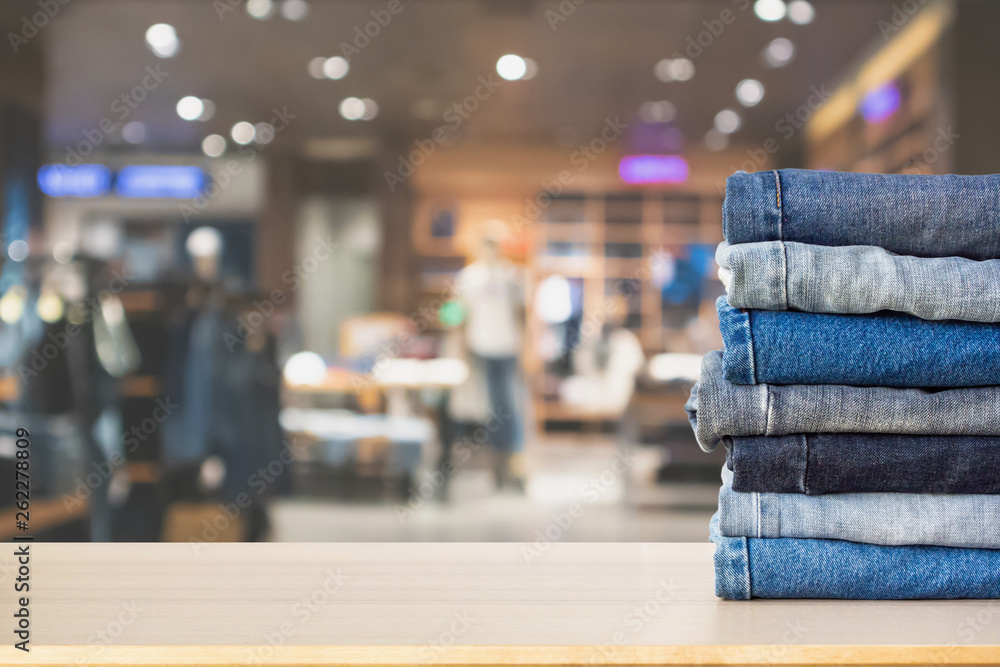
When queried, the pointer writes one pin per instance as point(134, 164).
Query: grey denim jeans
point(718, 409)
point(781, 275)
point(889, 519)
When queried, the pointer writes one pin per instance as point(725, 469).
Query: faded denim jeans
point(924, 216)
point(889, 519)
point(719, 409)
point(881, 350)
point(819, 463)
point(778, 275)
point(792, 568)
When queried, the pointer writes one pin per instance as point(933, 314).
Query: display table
point(393, 604)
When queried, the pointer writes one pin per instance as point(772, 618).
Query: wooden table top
point(328, 603)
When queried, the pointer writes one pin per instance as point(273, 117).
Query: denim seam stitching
point(753, 361)
point(784, 275)
point(767, 409)
point(745, 544)
point(805, 463)
point(777, 189)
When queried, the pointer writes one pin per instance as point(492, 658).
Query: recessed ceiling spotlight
point(134, 132)
point(770, 10)
point(213, 145)
point(260, 9)
point(294, 10)
point(190, 107)
point(336, 67)
point(779, 52)
point(315, 67)
point(661, 111)
point(512, 67)
point(674, 69)
point(371, 109)
point(243, 132)
point(716, 141)
point(161, 38)
point(749, 92)
point(801, 12)
point(727, 121)
point(352, 108)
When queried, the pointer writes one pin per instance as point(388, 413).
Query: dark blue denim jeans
point(787, 567)
point(818, 463)
point(926, 216)
point(879, 350)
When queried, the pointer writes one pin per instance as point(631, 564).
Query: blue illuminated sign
point(84, 180)
point(160, 182)
point(881, 103)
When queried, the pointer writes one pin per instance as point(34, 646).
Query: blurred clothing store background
point(365, 270)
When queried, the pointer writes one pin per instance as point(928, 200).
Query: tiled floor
point(575, 492)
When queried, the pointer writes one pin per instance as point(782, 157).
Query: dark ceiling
point(596, 64)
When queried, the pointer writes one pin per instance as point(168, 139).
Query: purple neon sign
point(643, 169)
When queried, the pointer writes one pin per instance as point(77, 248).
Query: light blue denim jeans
point(719, 409)
point(778, 275)
point(792, 568)
point(880, 350)
point(890, 519)
point(924, 216)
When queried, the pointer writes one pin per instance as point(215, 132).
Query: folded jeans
point(889, 519)
point(779, 275)
point(924, 216)
point(820, 463)
point(793, 568)
point(719, 409)
point(880, 350)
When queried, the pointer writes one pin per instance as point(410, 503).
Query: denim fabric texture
point(719, 409)
point(889, 519)
point(923, 216)
point(820, 463)
point(882, 350)
point(792, 568)
point(776, 275)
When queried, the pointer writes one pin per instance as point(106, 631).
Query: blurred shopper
point(493, 299)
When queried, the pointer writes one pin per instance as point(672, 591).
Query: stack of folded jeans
point(858, 394)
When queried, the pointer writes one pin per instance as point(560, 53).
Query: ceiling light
point(213, 145)
point(207, 110)
point(371, 109)
point(18, 250)
point(335, 68)
point(260, 9)
point(294, 10)
point(530, 69)
point(243, 132)
point(779, 52)
point(661, 111)
point(352, 108)
point(770, 10)
point(727, 121)
point(750, 92)
point(190, 107)
point(674, 69)
point(63, 252)
point(511, 67)
point(801, 12)
point(161, 39)
point(134, 132)
point(716, 141)
point(264, 133)
point(204, 242)
point(315, 67)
